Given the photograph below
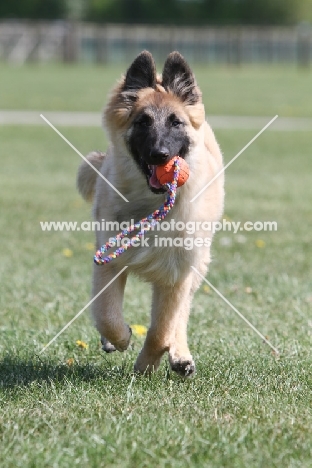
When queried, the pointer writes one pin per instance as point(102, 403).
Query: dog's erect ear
point(141, 73)
point(178, 78)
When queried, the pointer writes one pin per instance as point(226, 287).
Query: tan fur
point(168, 269)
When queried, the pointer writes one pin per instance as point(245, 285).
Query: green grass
point(227, 90)
point(245, 407)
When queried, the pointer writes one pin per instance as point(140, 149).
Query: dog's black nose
point(159, 155)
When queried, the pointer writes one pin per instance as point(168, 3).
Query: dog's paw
point(107, 346)
point(145, 370)
point(146, 364)
point(122, 345)
point(183, 367)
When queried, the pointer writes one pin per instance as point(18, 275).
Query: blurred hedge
point(177, 12)
point(33, 9)
point(196, 12)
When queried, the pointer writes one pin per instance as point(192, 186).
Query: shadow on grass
point(20, 372)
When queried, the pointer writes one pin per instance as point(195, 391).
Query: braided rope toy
point(149, 222)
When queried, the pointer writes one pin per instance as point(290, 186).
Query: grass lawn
point(226, 90)
point(73, 407)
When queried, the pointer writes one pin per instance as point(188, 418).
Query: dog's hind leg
point(170, 305)
point(107, 308)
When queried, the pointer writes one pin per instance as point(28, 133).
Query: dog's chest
point(165, 264)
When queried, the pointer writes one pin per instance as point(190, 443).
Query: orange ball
point(165, 172)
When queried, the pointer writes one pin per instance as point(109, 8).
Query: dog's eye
point(144, 122)
point(176, 123)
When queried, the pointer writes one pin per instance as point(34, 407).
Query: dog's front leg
point(107, 308)
point(170, 306)
point(180, 358)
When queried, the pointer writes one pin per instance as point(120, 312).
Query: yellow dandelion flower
point(89, 246)
point(82, 344)
point(139, 330)
point(206, 288)
point(70, 361)
point(260, 243)
point(67, 253)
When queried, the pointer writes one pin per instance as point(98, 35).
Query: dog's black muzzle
point(158, 156)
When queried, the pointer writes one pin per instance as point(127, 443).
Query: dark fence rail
point(22, 42)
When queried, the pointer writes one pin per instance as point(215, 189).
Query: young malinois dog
point(150, 119)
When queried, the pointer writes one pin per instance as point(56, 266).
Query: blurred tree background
point(177, 12)
point(33, 9)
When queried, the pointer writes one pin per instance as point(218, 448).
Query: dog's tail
point(86, 176)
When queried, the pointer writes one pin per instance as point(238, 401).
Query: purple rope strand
point(152, 219)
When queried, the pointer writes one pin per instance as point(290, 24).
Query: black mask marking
point(157, 136)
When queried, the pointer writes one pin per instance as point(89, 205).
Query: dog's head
point(156, 115)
